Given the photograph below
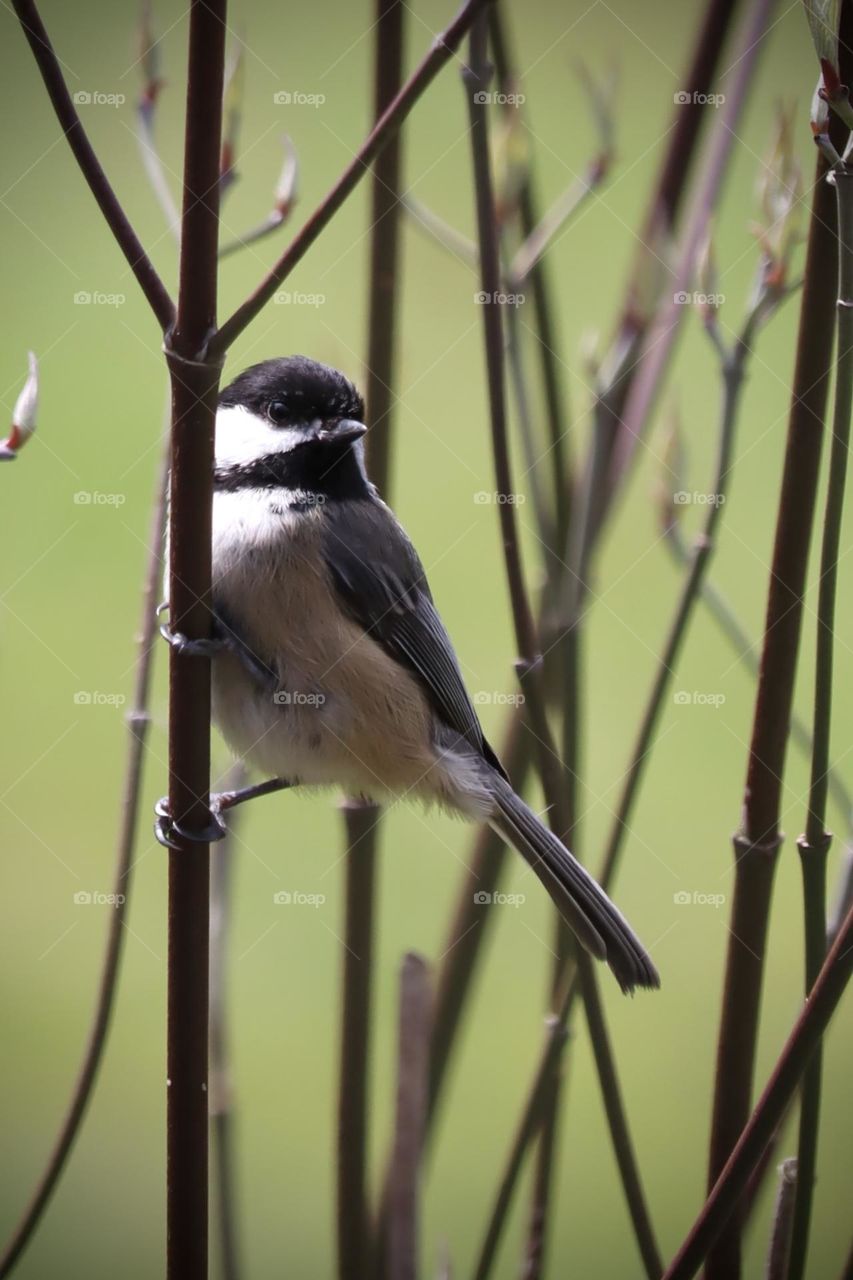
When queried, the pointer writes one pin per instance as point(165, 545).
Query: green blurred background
point(70, 596)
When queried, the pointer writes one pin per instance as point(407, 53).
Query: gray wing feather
point(382, 586)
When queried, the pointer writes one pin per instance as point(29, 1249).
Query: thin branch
point(743, 645)
point(66, 113)
point(355, 1236)
point(660, 341)
point(756, 845)
point(221, 1089)
point(733, 369)
point(138, 722)
point(440, 232)
point(149, 61)
point(531, 1118)
point(475, 79)
point(353, 1209)
point(443, 49)
point(783, 1215)
point(814, 845)
point(412, 1091)
point(543, 308)
point(194, 391)
point(283, 203)
point(808, 1030)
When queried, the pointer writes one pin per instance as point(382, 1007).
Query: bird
point(330, 664)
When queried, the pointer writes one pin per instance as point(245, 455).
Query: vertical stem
point(353, 1220)
point(780, 1236)
point(808, 1030)
point(384, 247)
point(194, 388)
point(138, 723)
point(410, 1119)
point(221, 1085)
point(814, 845)
point(756, 845)
point(362, 819)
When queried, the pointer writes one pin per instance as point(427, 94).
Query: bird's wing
point(382, 587)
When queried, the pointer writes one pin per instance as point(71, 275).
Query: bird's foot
point(166, 828)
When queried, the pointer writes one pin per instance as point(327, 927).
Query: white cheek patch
point(243, 436)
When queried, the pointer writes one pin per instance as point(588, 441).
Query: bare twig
point(66, 113)
point(814, 844)
point(660, 341)
point(195, 383)
point(283, 202)
point(221, 1085)
point(443, 48)
point(362, 819)
point(149, 61)
point(757, 843)
point(138, 721)
point(783, 1217)
point(808, 1030)
point(353, 1210)
point(531, 1118)
point(412, 1092)
point(475, 79)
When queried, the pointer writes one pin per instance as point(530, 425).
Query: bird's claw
point(166, 828)
point(187, 648)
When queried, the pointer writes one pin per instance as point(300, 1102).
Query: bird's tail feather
point(586, 908)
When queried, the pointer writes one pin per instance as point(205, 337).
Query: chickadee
point(330, 663)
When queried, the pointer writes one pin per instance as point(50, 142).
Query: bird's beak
point(343, 431)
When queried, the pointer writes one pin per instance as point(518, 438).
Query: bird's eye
point(278, 411)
